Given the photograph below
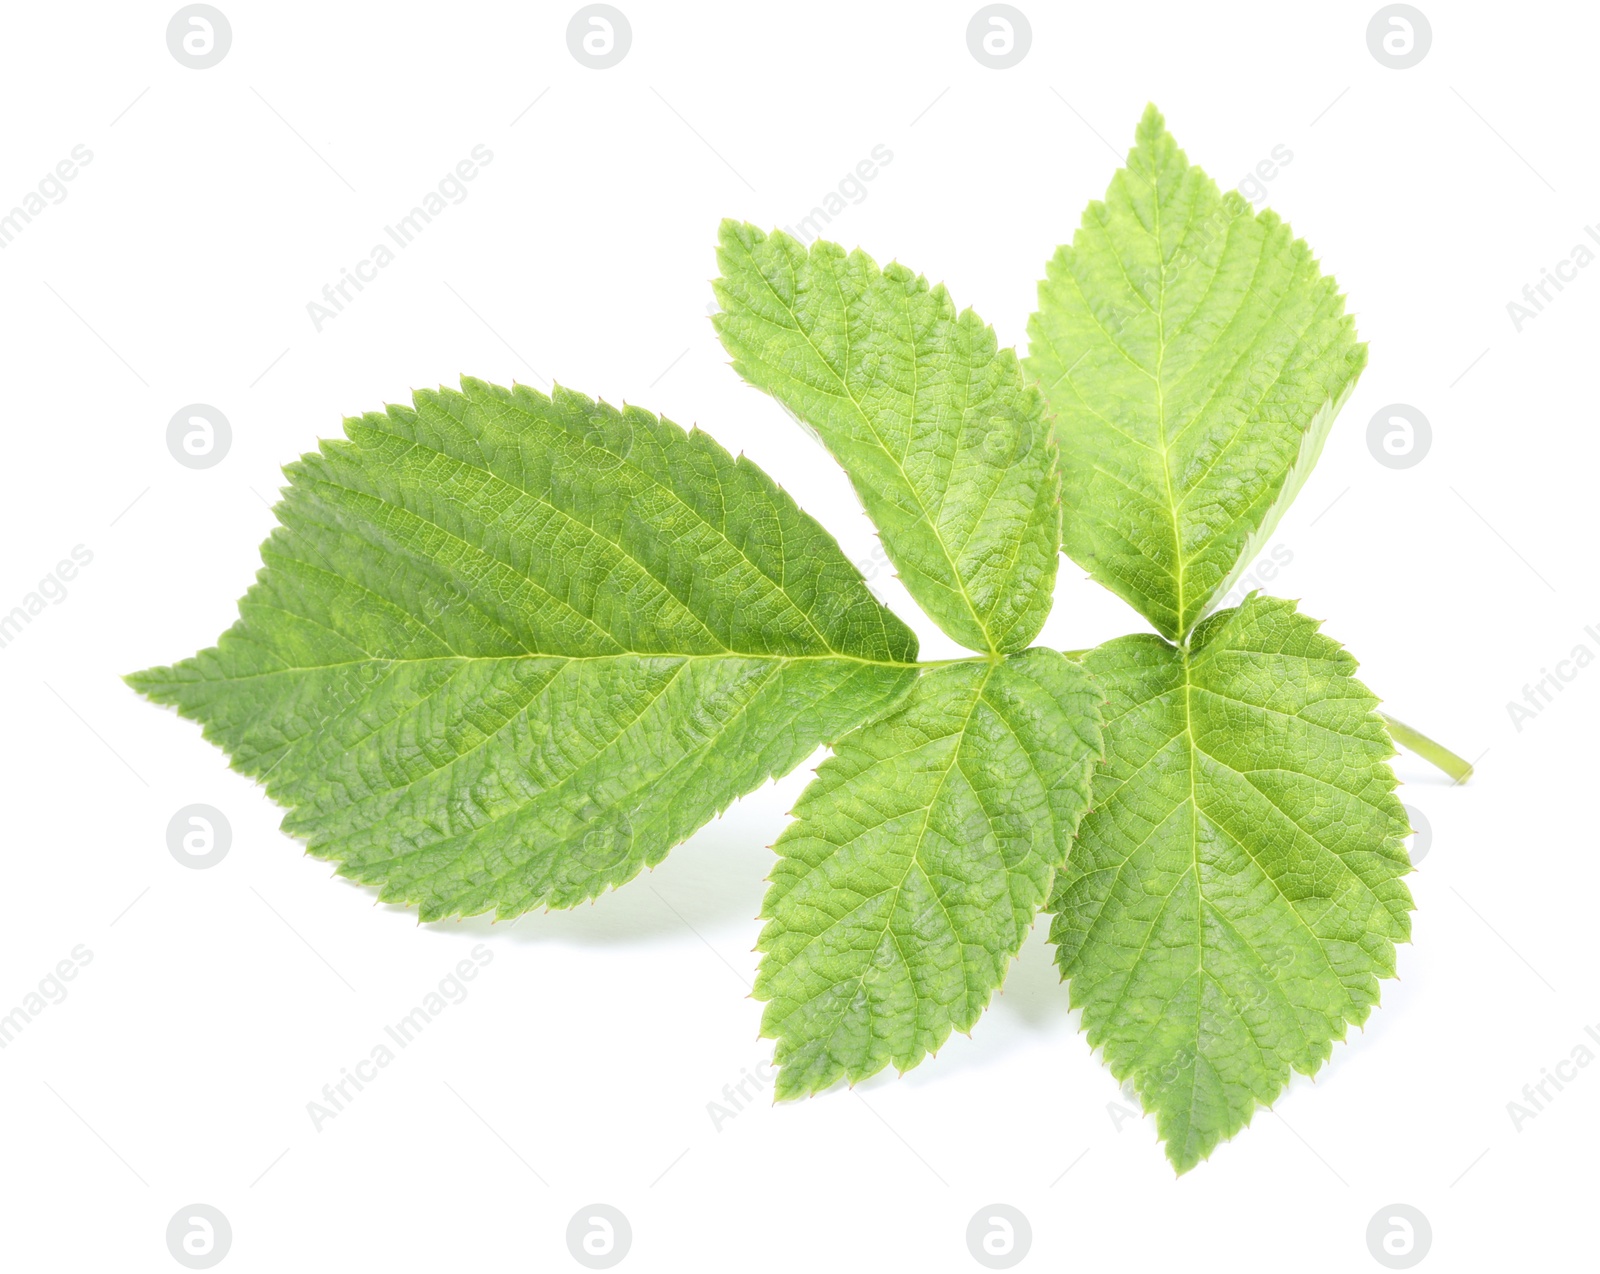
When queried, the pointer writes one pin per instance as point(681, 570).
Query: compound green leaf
point(507, 650)
point(1236, 894)
point(945, 445)
point(1193, 357)
point(916, 862)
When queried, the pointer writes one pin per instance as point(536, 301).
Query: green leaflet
point(507, 650)
point(1234, 897)
point(1193, 358)
point(944, 443)
point(916, 862)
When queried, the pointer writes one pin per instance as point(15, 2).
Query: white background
point(219, 1002)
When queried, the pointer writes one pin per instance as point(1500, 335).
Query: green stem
point(1427, 749)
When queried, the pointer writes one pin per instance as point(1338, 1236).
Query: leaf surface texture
point(1236, 893)
point(946, 446)
point(1193, 356)
point(916, 863)
point(506, 650)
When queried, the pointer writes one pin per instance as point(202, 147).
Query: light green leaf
point(1193, 358)
point(1235, 895)
point(508, 650)
point(945, 444)
point(916, 863)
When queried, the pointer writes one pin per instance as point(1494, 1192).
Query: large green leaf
point(1193, 357)
point(1235, 895)
point(917, 861)
point(507, 650)
point(945, 444)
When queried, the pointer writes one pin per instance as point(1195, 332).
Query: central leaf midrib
point(1201, 902)
point(1161, 405)
point(388, 660)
